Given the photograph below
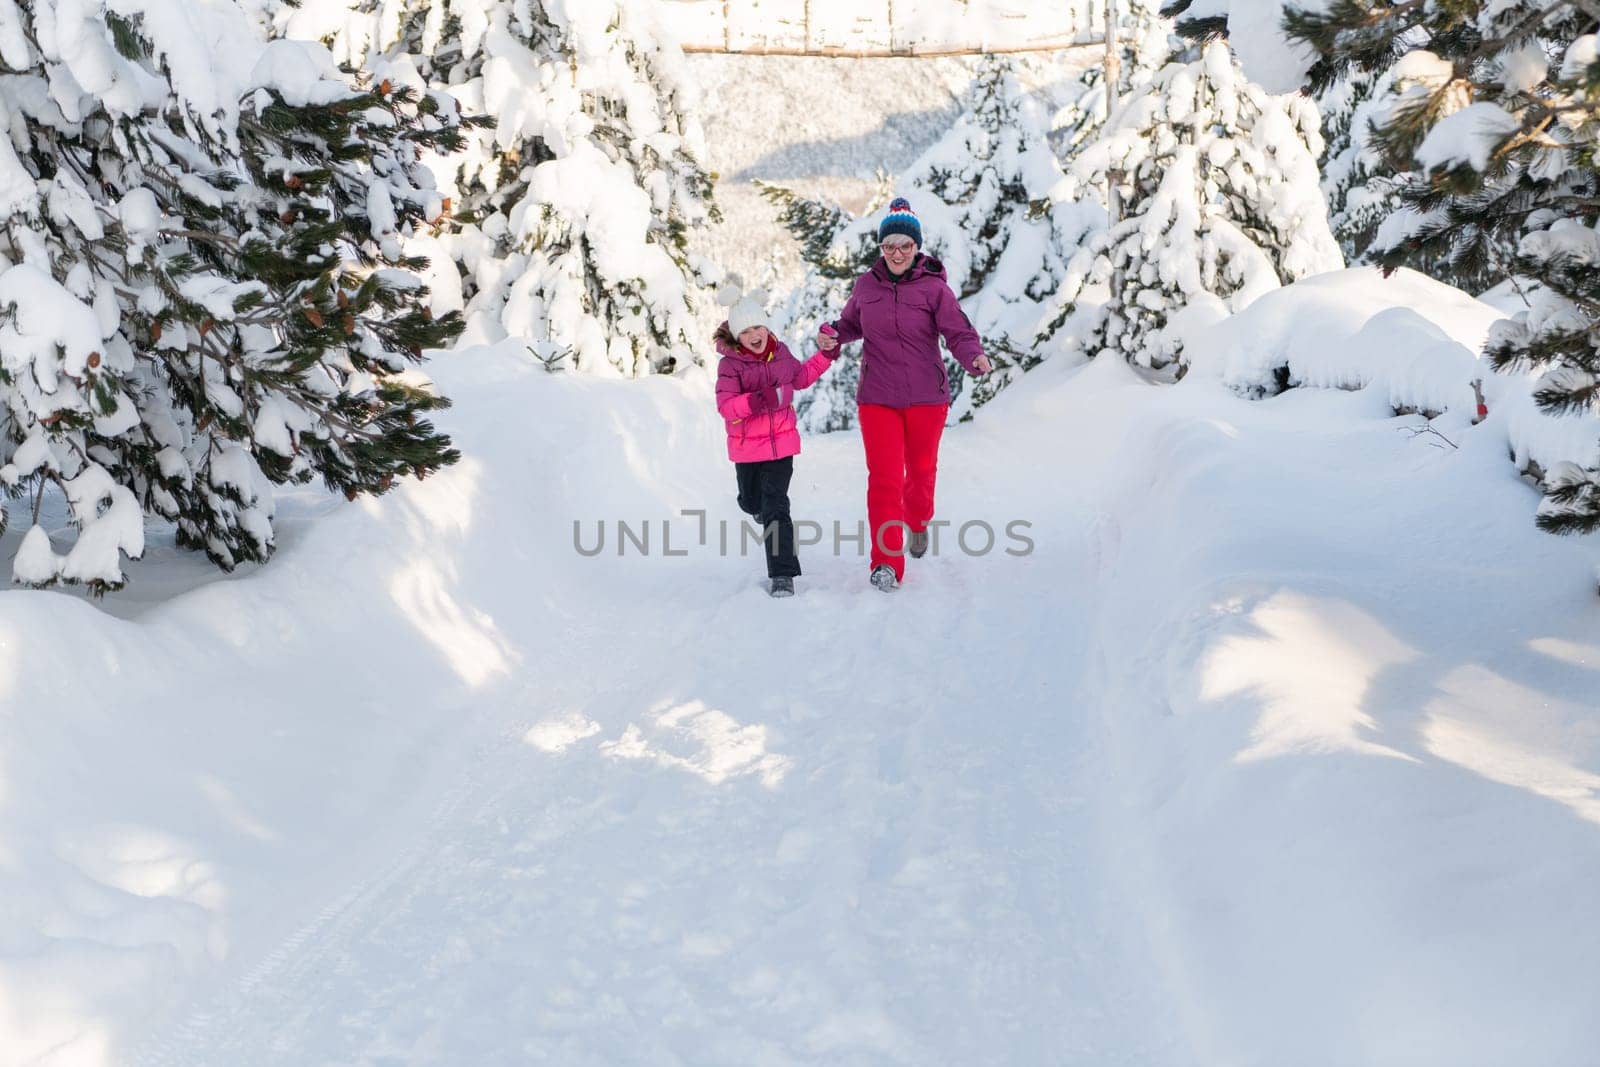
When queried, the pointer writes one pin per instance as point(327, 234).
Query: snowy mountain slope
point(824, 127)
point(1280, 747)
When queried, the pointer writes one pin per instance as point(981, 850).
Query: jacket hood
point(924, 266)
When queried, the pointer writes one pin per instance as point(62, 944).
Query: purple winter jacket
point(901, 324)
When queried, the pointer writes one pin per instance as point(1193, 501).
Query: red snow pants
point(902, 446)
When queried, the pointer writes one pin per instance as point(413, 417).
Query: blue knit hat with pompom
point(900, 220)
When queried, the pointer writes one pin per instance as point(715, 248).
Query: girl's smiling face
point(754, 339)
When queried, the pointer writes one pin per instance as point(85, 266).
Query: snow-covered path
point(847, 828)
point(1279, 748)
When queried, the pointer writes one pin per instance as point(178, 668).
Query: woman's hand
point(827, 339)
point(982, 364)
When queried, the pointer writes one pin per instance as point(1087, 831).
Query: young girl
point(756, 380)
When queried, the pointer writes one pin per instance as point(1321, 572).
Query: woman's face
point(755, 338)
point(899, 251)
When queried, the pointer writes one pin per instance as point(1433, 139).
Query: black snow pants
point(764, 494)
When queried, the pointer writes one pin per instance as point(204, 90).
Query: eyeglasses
point(898, 248)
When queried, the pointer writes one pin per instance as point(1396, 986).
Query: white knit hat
point(746, 313)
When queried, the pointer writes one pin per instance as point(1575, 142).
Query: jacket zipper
point(898, 336)
point(772, 433)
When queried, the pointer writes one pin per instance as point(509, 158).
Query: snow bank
point(177, 790)
point(1351, 696)
point(1412, 341)
point(1306, 334)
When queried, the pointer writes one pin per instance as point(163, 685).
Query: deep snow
point(1280, 747)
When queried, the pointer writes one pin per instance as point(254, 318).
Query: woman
point(900, 308)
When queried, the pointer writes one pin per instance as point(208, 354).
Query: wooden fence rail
point(884, 53)
point(883, 28)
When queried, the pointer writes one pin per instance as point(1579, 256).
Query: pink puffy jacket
point(755, 395)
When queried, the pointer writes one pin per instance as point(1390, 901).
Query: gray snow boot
point(781, 587)
point(919, 543)
point(883, 578)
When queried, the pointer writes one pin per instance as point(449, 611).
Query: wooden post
point(1113, 71)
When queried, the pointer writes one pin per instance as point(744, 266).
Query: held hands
point(828, 341)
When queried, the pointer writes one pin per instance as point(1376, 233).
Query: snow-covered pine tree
point(201, 289)
point(815, 224)
point(1221, 202)
point(1358, 184)
point(1360, 188)
point(1497, 110)
point(580, 199)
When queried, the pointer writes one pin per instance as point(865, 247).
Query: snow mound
point(1305, 334)
point(171, 788)
point(1412, 341)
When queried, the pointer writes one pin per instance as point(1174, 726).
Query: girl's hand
point(982, 364)
point(827, 339)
